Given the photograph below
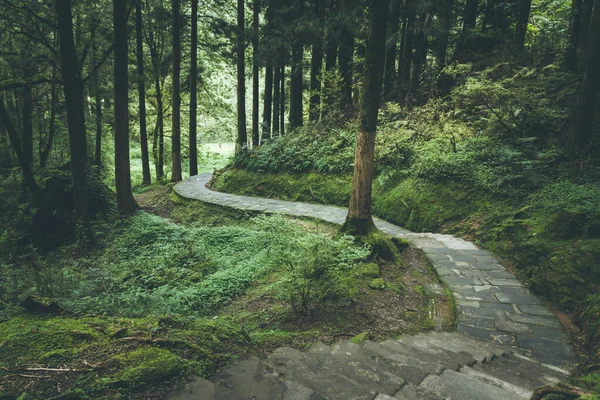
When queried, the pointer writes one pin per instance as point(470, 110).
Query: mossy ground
point(558, 252)
point(115, 357)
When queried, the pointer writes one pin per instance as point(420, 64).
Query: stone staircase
point(507, 343)
point(431, 366)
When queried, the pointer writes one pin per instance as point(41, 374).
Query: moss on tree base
point(365, 231)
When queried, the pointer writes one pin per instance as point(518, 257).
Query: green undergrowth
point(551, 235)
point(108, 356)
point(182, 292)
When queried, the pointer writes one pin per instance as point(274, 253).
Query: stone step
point(346, 359)
point(412, 392)
point(291, 364)
point(412, 370)
point(429, 345)
point(495, 381)
point(483, 347)
point(522, 371)
point(455, 385)
point(479, 353)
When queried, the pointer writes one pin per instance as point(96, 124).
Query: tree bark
point(255, 77)
point(126, 204)
point(585, 105)
point(27, 114)
point(574, 34)
point(390, 75)
point(443, 33)
point(268, 103)
point(282, 101)
point(242, 137)
point(316, 64)
point(146, 180)
point(346, 56)
point(194, 92)
point(407, 58)
point(296, 85)
point(470, 15)
point(176, 117)
point(359, 219)
point(159, 137)
point(73, 88)
point(420, 52)
point(45, 152)
point(584, 29)
point(276, 99)
point(524, 9)
point(13, 137)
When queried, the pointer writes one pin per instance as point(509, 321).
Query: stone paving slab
point(492, 304)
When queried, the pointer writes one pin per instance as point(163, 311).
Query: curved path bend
point(492, 304)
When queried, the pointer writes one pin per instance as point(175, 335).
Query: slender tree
point(470, 15)
point(242, 137)
point(359, 220)
point(346, 52)
point(125, 202)
point(193, 91)
point(574, 35)
point(316, 62)
point(524, 9)
point(444, 12)
point(407, 57)
point(389, 81)
point(146, 180)
point(587, 98)
point(282, 101)
point(276, 99)
point(73, 89)
point(176, 117)
point(296, 85)
point(255, 70)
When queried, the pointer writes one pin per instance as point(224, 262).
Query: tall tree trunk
point(73, 88)
point(268, 103)
point(255, 77)
point(125, 202)
point(389, 80)
point(159, 135)
point(27, 115)
point(407, 58)
point(316, 64)
point(176, 118)
point(45, 153)
point(146, 180)
point(346, 57)
point(585, 105)
point(296, 85)
point(574, 34)
point(524, 9)
point(443, 33)
point(26, 169)
point(470, 15)
point(276, 99)
point(584, 30)
point(282, 101)
point(98, 144)
point(242, 136)
point(421, 45)
point(194, 92)
point(359, 220)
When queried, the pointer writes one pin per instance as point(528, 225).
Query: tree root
point(563, 389)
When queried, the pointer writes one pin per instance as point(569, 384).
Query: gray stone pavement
point(492, 304)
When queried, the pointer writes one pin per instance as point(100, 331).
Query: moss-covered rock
point(145, 365)
point(361, 337)
point(377, 283)
point(370, 270)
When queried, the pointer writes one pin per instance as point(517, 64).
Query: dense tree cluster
point(310, 60)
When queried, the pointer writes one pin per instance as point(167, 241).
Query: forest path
point(492, 304)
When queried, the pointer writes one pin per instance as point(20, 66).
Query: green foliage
point(315, 267)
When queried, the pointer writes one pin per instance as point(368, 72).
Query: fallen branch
point(57, 369)
point(30, 376)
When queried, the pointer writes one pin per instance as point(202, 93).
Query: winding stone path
point(507, 342)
